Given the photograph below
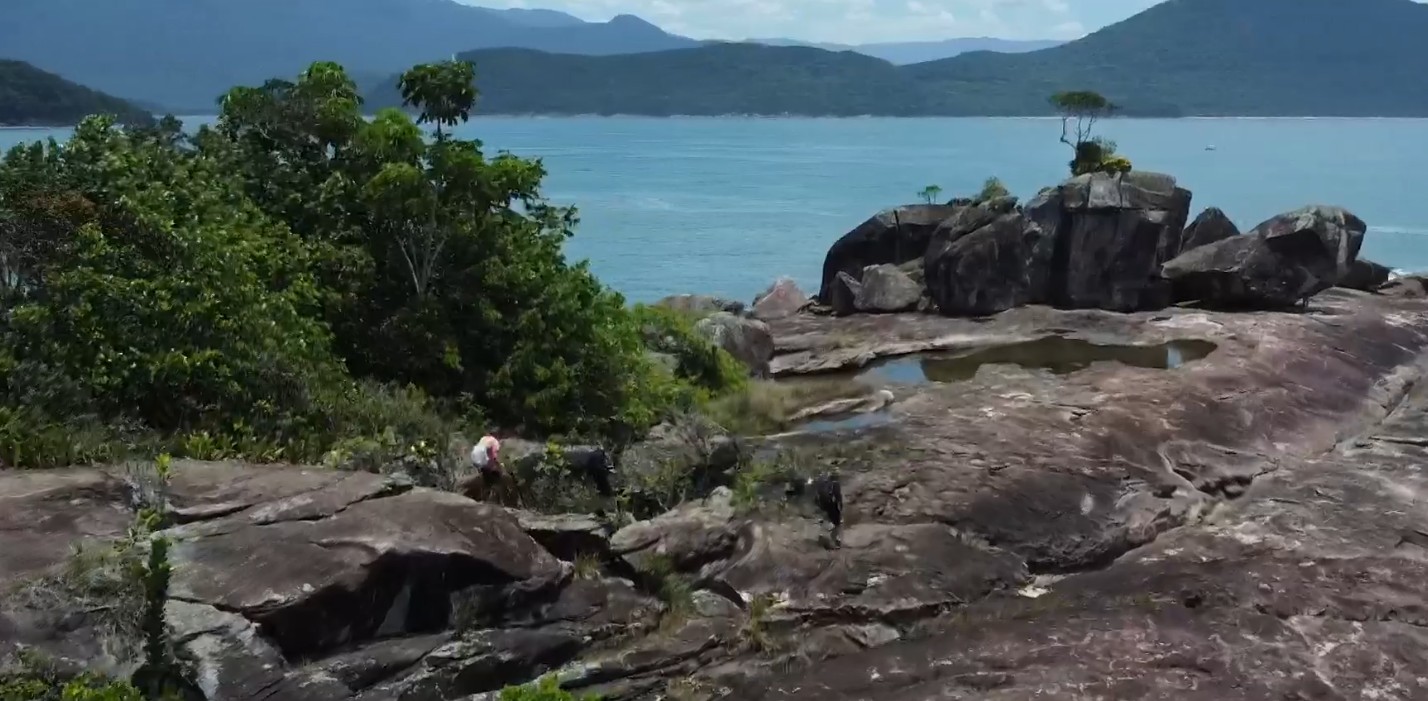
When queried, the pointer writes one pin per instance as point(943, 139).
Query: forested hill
point(30, 96)
point(710, 80)
point(1218, 57)
point(1182, 57)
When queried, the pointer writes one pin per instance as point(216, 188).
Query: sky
point(855, 21)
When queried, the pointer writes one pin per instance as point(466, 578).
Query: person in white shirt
point(486, 458)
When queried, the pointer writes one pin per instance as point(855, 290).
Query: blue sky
point(856, 21)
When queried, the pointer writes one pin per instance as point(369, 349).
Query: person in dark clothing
point(595, 465)
point(827, 493)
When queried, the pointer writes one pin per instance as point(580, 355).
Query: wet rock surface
point(1246, 524)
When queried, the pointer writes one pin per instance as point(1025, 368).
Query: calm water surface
point(726, 205)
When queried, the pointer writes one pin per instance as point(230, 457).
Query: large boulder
point(748, 340)
point(1112, 234)
point(1283, 261)
point(1212, 225)
point(1004, 264)
point(1365, 275)
point(886, 288)
point(842, 294)
point(781, 299)
point(892, 236)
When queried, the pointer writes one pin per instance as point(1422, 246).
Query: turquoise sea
point(725, 205)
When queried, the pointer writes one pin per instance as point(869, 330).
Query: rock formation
point(748, 340)
point(1111, 233)
point(781, 299)
point(1003, 264)
point(892, 236)
point(1365, 275)
point(886, 288)
point(1210, 226)
point(1283, 261)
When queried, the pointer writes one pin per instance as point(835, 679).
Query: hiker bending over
point(489, 479)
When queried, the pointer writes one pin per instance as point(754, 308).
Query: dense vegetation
point(1182, 57)
point(204, 47)
point(30, 96)
point(298, 282)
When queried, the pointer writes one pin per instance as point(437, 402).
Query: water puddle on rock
point(1056, 354)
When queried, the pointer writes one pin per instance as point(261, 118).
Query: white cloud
point(855, 21)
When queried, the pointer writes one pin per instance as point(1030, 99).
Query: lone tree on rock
point(1092, 153)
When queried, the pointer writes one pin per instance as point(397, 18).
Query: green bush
point(85, 688)
point(992, 189)
point(1099, 155)
point(546, 689)
point(705, 367)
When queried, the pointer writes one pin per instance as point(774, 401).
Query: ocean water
point(726, 205)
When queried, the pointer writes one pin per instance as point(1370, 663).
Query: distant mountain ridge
point(184, 54)
point(1182, 57)
point(905, 52)
point(32, 97)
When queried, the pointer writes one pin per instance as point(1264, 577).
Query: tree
point(929, 194)
point(442, 267)
point(1090, 153)
point(444, 92)
point(1084, 106)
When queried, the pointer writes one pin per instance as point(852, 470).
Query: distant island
point(32, 97)
point(1179, 58)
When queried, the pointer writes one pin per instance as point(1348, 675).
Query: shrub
point(707, 368)
point(547, 688)
point(1099, 155)
point(992, 189)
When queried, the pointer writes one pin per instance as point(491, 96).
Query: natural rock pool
point(1057, 354)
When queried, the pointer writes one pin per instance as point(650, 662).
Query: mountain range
point(905, 52)
point(183, 54)
point(1181, 57)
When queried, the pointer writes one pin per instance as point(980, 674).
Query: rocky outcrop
point(886, 288)
point(1365, 275)
point(781, 299)
point(748, 340)
point(1406, 287)
point(1282, 262)
point(1210, 226)
point(892, 236)
point(999, 266)
point(701, 305)
point(1111, 233)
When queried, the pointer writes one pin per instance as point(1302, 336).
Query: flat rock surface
point(1247, 526)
